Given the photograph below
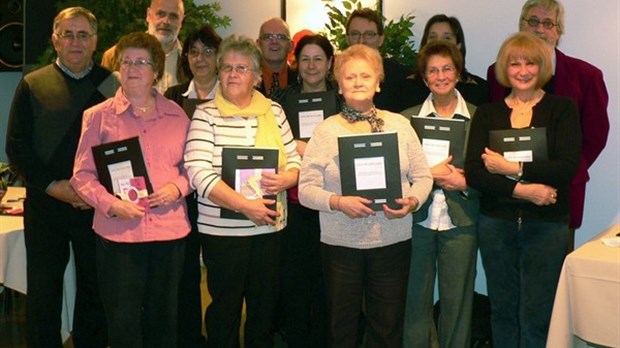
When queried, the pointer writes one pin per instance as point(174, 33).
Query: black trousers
point(238, 269)
point(189, 322)
point(51, 228)
point(302, 291)
point(375, 277)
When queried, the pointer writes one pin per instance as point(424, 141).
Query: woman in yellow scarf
point(241, 254)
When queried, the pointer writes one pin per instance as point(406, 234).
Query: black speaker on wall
point(11, 35)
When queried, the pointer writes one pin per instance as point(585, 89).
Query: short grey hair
point(73, 12)
point(242, 45)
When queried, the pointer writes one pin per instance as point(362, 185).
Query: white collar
point(461, 106)
point(191, 91)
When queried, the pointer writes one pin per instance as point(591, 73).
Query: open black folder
point(305, 111)
point(520, 145)
point(441, 137)
point(370, 168)
point(118, 160)
point(241, 170)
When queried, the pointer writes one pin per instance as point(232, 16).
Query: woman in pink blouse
point(139, 247)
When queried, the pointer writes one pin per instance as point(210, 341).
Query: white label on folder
point(429, 127)
point(359, 145)
point(509, 139)
point(525, 138)
point(519, 156)
point(120, 171)
point(308, 120)
point(317, 100)
point(376, 143)
point(436, 150)
point(445, 129)
point(303, 101)
point(370, 173)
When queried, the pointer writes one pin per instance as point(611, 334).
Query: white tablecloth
point(13, 262)
point(587, 301)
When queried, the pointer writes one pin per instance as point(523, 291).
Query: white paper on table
point(370, 173)
point(308, 120)
point(436, 150)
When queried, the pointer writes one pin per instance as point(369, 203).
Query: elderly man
point(365, 26)
point(275, 42)
point(164, 19)
point(572, 78)
point(42, 137)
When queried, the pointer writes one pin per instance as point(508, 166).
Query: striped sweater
point(208, 134)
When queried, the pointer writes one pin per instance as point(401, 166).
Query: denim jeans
point(522, 262)
point(378, 276)
point(452, 255)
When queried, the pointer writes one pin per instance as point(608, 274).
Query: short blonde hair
point(527, 46)
point(361, 52)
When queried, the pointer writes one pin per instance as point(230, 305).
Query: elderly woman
point(365, 253)
point(474, 89)
point(139, 250)
point(241, 255)
point(198, 62)
point(525, 205)
point(444, 230)
point(302, 299)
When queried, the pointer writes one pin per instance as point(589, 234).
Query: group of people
point(308, 260)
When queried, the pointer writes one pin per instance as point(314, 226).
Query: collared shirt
point(71, 73)
point(268, 78)
point(192, 94)
point(162, 140)
point(438, 218)
point(169, 78)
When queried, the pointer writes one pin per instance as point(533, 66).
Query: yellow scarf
point(267, 132)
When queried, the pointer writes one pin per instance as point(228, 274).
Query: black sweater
point(560, 118)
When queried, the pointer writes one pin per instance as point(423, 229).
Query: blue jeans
point(377, 276)
point(522, 263)
point(452, 255)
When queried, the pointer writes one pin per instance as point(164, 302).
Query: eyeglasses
point(534, 22)
point(277, 37)
point(356, 35)
point(239, 69)
point(70, 36)
point(448, 69)
point(195, 52)
point(138, 62)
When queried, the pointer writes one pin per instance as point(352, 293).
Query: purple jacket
point(583, 83)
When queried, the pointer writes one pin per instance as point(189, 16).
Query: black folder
point(120, 154)
point(449, 130)
point(240, 162)
point(520, 145)
point(370, 168)
point(300, 107)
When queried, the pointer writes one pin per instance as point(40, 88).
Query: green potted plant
point(398, 43)
point(125, 16)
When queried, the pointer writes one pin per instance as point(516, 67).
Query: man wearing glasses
point(43, 133)
point(365, 26)
point(164, 19)
point(572, 78)
point(274, 41)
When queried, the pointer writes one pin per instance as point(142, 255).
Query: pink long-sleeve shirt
point(162, 139)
